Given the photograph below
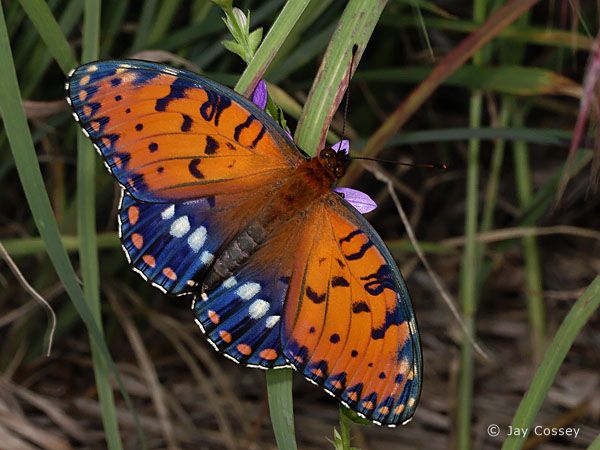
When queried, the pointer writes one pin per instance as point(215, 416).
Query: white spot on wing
point(272, 321)
point(180, 227)
point(229, 283)
point(207, 258)
point(197, 239)
point(248, 290)
point(168, 213)
point(258, 309)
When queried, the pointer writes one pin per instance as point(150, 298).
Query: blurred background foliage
point(514, 259)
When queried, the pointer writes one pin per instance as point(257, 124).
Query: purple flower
point(259, 96)
point(343, 146)
point(361, 201)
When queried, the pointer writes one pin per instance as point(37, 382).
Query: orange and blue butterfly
point(219, 203)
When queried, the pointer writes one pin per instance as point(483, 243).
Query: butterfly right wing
point(169, 135)
point(173, 244)
point(196, 161)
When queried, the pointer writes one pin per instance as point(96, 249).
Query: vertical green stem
point(279, 382)
point(533, 272)
point(468, 279)
point(88, 249)
point(345, 425)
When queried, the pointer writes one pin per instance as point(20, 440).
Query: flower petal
point(361, 201)
point(259, 96)
point(342, 146)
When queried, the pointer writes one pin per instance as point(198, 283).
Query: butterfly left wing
point(348, 325)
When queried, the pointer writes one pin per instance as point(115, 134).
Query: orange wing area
point(348, 322)
point(170, 135)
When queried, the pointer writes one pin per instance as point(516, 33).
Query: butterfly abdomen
point(236, 253)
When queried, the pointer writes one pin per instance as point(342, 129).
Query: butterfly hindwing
point(242, 317)
point(348, 323)
point(170, 135)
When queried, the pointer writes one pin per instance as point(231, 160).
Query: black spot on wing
point(187, 123)
point(193, 168)
point(214, 106)
point(211, 146)
point(379, 280)
point(350, 235)
point(314, 297)
point(339, 281)
point(359, 307)
point(177, 90)
point(361, 252)
point(242, 126)
point(391, 318)
point(258, 137)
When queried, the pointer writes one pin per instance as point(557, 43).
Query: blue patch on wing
point(169, 244)
point(242, 317)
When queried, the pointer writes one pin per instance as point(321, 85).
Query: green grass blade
point(40, 58)
point(533, 270)
point(290, 14)
point(279, 383)
point(507, 79)
point(354, 28)
point(468, 274)
point(43, 20)
point(28, 168)
point(164, 18)
point(596, 444)
point(531, 403)
point(545, 36)
point(33, 245)
point(88, 247)
point(144, 25)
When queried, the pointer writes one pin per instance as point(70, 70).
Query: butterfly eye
point(339, 171)
point(327, 153)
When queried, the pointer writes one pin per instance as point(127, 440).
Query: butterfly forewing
point(170, 135)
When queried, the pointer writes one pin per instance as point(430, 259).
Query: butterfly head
point(335, 162)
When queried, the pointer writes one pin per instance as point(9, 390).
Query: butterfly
point(219, 203)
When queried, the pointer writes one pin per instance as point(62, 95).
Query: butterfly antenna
point(347, 94)
point(400, 163)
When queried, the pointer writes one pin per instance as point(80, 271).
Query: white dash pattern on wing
point(248, 290)
point(180, 227)
point(207, 258)
point(229, 283)
point(258, 309)
point(197, 238)
point(168, 213)
point(271, 321)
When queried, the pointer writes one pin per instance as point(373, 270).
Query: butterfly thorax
point(307, 183)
